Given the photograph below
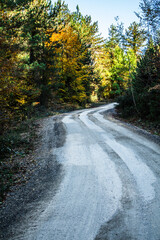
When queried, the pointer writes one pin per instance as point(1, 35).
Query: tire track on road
point(140, 217)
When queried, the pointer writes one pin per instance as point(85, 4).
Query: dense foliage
point(46, 53)
point(142, 97)
point(49, 54)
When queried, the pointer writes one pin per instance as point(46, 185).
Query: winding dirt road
point(111, 186)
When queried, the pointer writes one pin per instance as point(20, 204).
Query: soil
point(150, 131)
point(42, 172)
point(149, 126)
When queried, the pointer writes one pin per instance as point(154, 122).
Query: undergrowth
point(17, 141)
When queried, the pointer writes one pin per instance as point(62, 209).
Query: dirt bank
point(44, 175)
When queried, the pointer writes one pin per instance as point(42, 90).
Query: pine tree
point(146, 83)
point(87, 34)
point(150, 17)
point(38, 25)
point(135, 37)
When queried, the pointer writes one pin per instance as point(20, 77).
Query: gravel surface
point(97, 178)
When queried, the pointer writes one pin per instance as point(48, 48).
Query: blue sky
point(104, 11)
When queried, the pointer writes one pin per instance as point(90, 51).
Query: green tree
point(74, 59)
point(115, 79)
point(115, 63)
point(146, 83)
point(115, 33)
point(38, 25)
point(135, 37)
point(150, 17)
point(143, 96)
point(13, 84)
point(90, 40)
point(26, 61)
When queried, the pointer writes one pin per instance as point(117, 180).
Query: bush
point(126, 105)
point(154, 105)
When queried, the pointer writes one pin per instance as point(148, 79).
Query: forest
point(50, 56)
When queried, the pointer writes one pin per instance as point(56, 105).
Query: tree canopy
point(49, 54)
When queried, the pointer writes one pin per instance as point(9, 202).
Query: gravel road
point(109, 188)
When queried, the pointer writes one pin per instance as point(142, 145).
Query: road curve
point(111, 186)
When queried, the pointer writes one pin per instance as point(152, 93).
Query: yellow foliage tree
point(69, 64)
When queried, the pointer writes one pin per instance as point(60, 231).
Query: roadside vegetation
point(140, 104)
point(53, 60)
point(14, 147)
